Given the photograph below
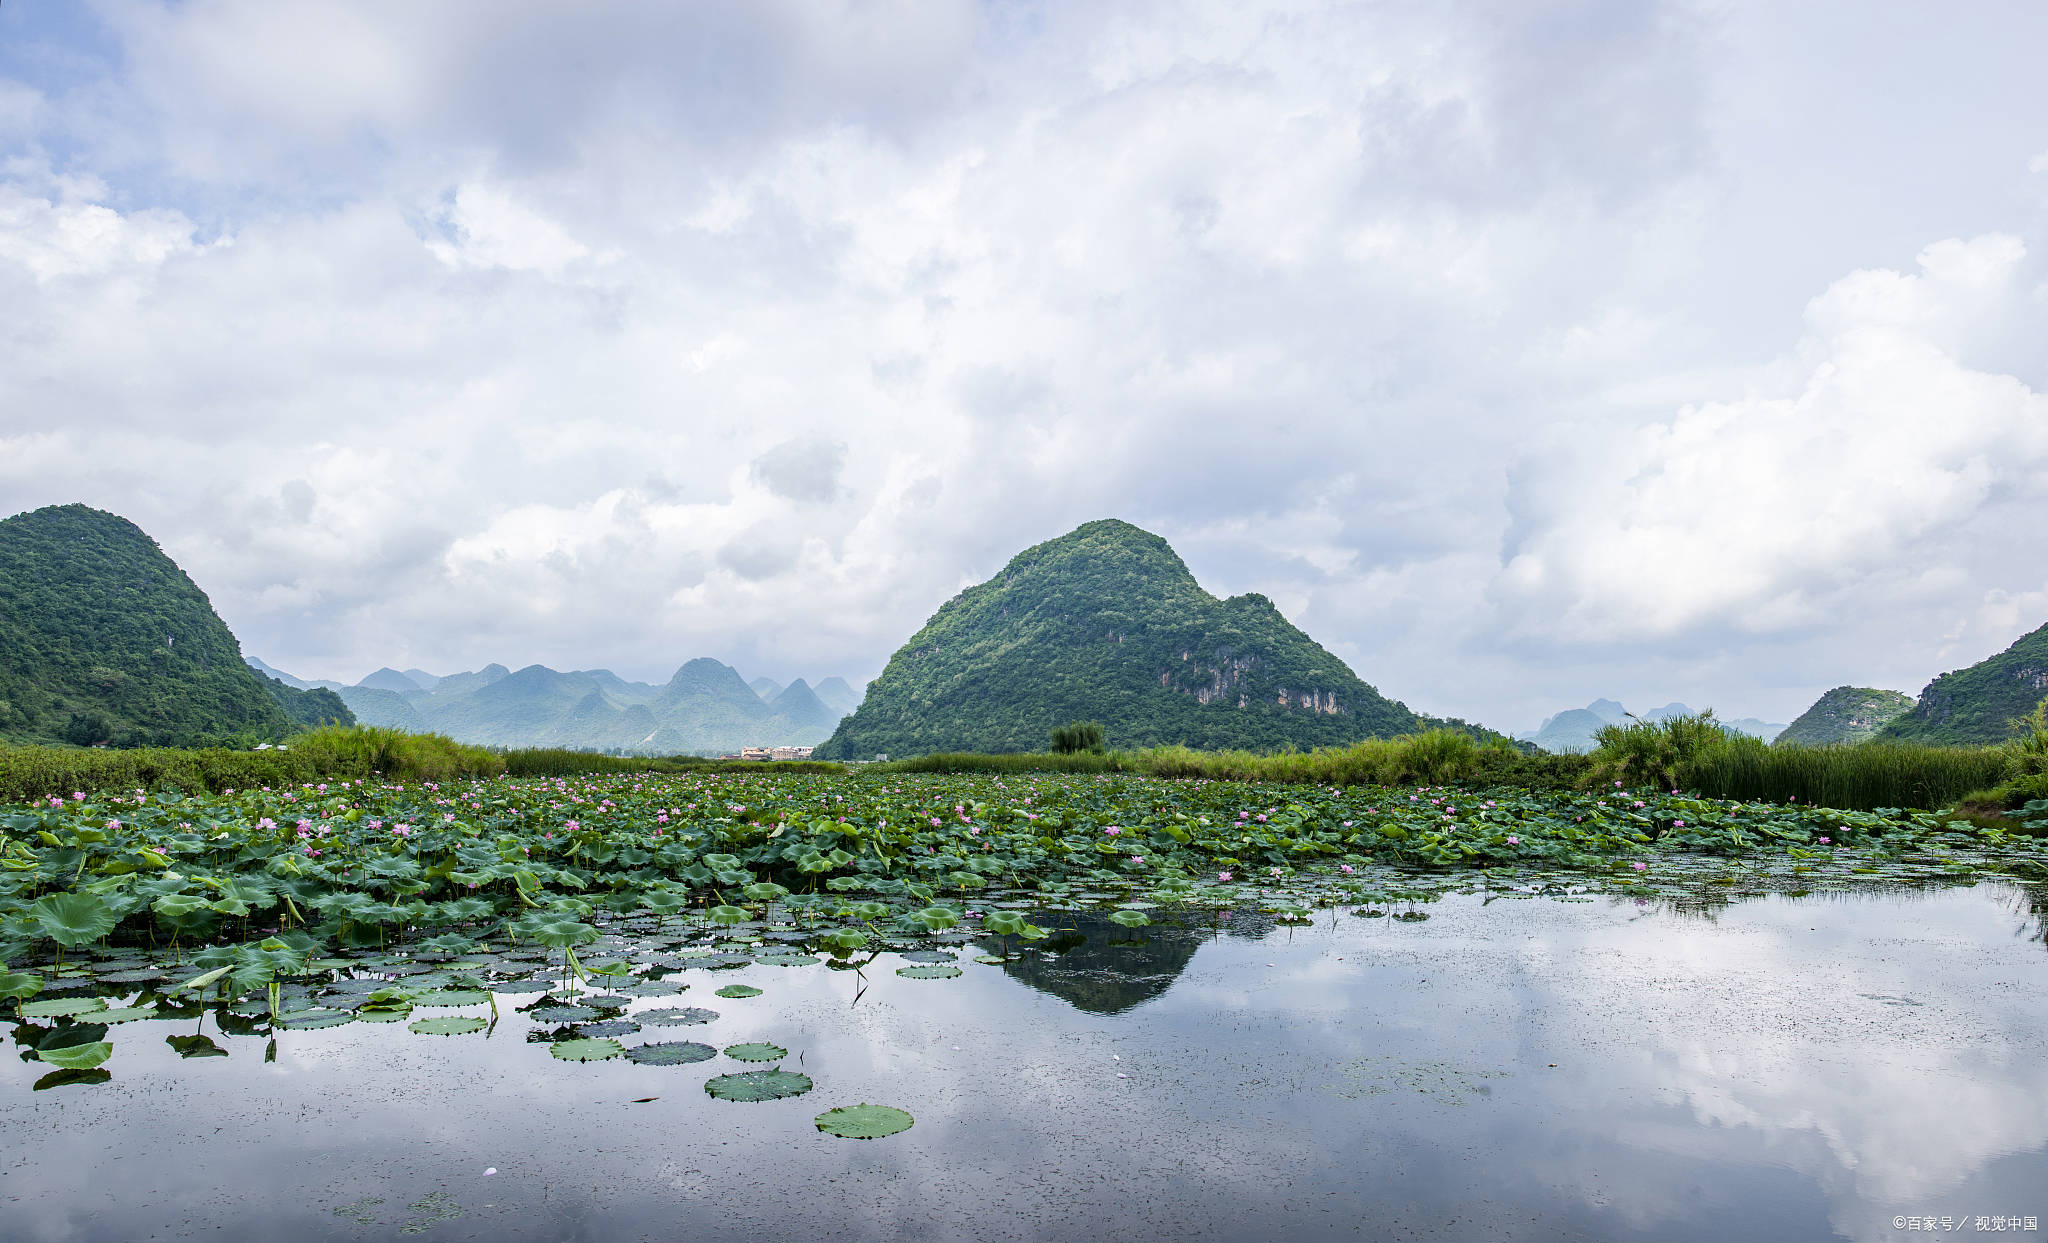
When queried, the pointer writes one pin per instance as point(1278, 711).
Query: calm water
point(1785, 1068)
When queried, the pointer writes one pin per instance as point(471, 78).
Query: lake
point(1524, 1067)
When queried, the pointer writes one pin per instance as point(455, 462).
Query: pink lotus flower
point(1642, 867)
point(1223, 876)
point(1345, 868)
point(1112, 831)
point(1137, 858)
point(1827, 841)
point(1513, 840)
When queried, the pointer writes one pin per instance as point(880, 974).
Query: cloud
point(804, 471)
point(433, 335)
point(1770, 512)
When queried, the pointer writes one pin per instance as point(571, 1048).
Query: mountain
point(422, 679)
point(103, 639)
point(389, 679)
point(835, 694)
point(766, 688)
point(1977, 705)
point(387, 709)
point(1107, 624)
point(799, 705)
point(1846, 714)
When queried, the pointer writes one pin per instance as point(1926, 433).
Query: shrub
point(1080, 736)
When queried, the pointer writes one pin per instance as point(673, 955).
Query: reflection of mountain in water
point(1098, 965)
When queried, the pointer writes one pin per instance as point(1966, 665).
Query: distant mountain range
point(705, 709)
point(104, 640)
point(1846, 714)
point(1107, 624)
point(1574, 730)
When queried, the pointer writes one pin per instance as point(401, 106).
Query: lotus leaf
point(195, 1046)
point(318, 1017)
point(728, 915)
point(562, 1014)
point(63, 1078)
point(74, 918)
point(586, 1050)
point(676, 1053)
point(739, 990)
point(450, 1025)
point(928, 971)
point(124, 1014)
point(76, 1056)
point(684, 1016)
point(756, 1052)
point(61, 1007)
point(19, 985)
point(1129, 918)
point(863, 1121)
point(609, 1027)
point(453, 997)
point(758, 1085)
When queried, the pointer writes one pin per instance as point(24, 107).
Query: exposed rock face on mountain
point(1107, 624)
point(1979, 704)
point(705, 708)
point(103, 639)
point(1846, 714)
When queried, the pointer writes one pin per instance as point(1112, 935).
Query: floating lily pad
point(76, 1056)
point(590, 1050)
point(609, 1027)
point(758, 1085)
point(928, 971)
point(521, 986)
point(310, 1019)
point(563, 1014)
point(368, 1015)
point(864, 1121)
point(671, 1053)
point(739, 990)
point(680, 1016)
point(605, 1001)
point(451, 1025)
point(787, 960)
point(61, 1007)
point(756, 1052)
point(453, 997)
point(927, 956)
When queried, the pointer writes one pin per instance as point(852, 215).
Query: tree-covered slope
point(1978, 704)
point(1846, 714)
point(1107, 624)
point(103, 639)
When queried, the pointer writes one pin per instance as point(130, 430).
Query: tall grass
point(321, 754)
point(1697, 753)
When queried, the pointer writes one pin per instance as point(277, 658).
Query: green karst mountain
point(103, 639)
point(1107, 624)
point(1979, 704)
point(1846, 714)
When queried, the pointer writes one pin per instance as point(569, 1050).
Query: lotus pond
point(764, 1005)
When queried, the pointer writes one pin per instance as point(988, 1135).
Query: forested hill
point(1107, 624)
point(1979, 704)
point(103, 639)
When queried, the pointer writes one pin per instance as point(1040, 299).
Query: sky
point(1521, 353)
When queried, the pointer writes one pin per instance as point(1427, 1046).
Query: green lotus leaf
point(870, 910)
point(18, 985)
point(561, 932)
point(758, 1085)
point(928, 971)
point(74, 918)
point(179, 905)
point(597, 1050)
point(845, 939)
point(78, 1056)
point(450, 1025)
point(200, 981)
point(787, 960)
point(1129, 919)
point(453, 997)
point(927, 956)
point(1004, 923)
point(936, 917)
point(396, 1015)
point(756, 1052)
point(864, 1121)
point(728, 915)
point(681, 1016)
point(317, 1017)
point(764, 891)
point(739, 990)
point(61, 1007)
point(609, 1027)
point(562, 1014)
point(675, 1053)
point(124, 1014)
point(664, 901)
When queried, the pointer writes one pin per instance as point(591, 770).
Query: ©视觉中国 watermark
point(1966, 1222)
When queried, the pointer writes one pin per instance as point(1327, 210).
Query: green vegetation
point(105, 641)
point(1078, 737)
point(1982, 704)
point(1107, 623)
point(1846, 714)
